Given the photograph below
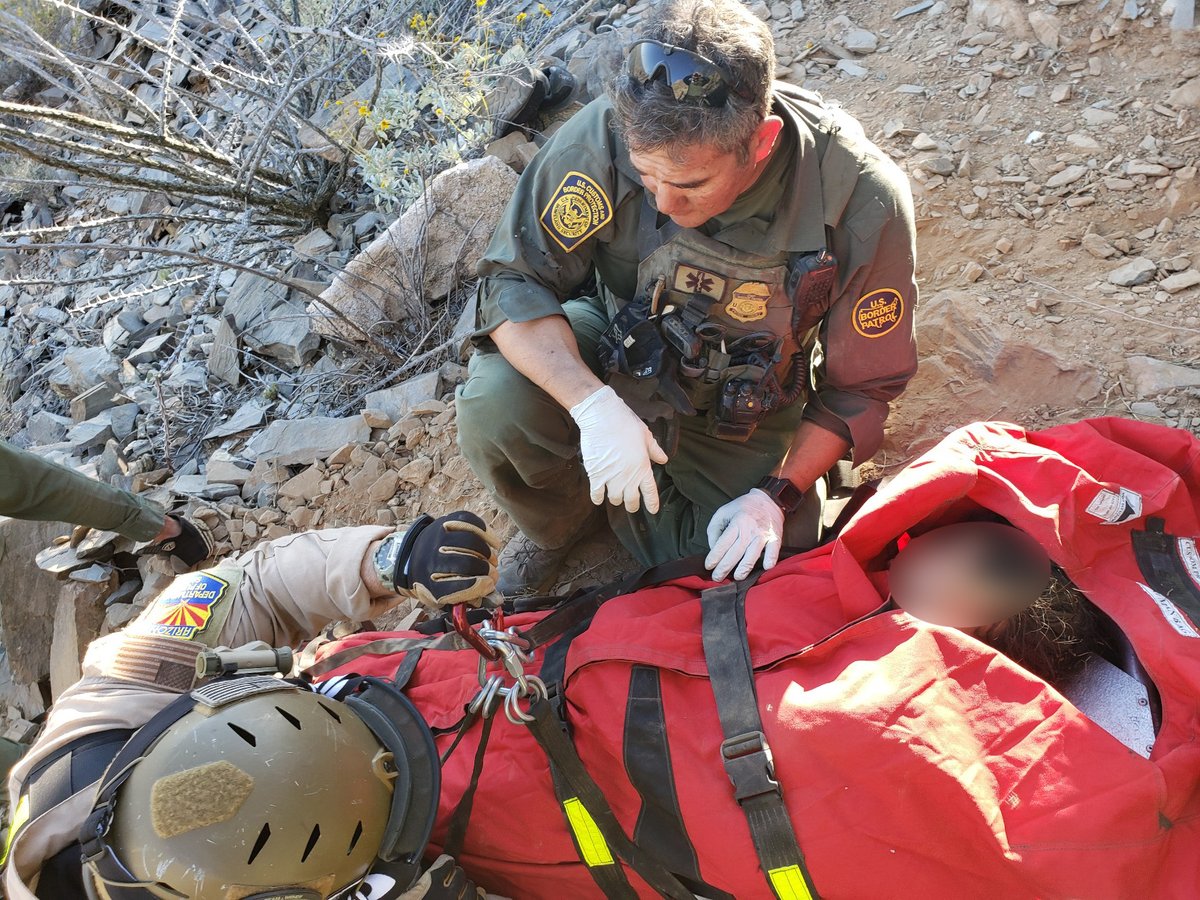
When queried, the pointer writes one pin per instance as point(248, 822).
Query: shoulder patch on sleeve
point(877, 313)
point(578, 209)
point(187, 607)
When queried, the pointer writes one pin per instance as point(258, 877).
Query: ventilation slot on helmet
point(312, 842)
point(263, 837)
point(287, 715)
point(333, 715)
point(245, 735)
point(358, 832)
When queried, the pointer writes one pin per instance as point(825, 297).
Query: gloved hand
point(443, 880)
point(617, 451)
point(448, 560)
point(741, 531)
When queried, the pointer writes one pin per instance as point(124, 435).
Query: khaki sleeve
point(282, 592)
point(544, 247)
point(868, 351)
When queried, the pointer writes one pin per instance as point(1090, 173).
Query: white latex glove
point(741, 531)
point(617, 451)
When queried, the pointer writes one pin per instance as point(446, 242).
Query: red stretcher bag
point(914, 761)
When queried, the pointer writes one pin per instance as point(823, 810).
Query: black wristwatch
point(783, 492)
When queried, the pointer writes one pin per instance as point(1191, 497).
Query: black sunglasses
point(690, 76)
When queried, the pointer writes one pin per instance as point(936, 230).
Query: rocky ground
point(1052, 148)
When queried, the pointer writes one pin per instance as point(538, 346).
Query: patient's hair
point(1053, 637)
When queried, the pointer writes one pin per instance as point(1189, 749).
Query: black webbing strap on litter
point(745, 752)
point(581, 608)
point(597, 833)
point(456, 831)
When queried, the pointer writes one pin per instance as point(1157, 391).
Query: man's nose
point(670, 200)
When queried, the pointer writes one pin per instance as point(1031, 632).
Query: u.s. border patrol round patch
point(877, 313)
point(578, 209)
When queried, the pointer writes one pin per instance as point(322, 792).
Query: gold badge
point(877, 313)
point(578, 209)
point(749, 303)
point(690, 280)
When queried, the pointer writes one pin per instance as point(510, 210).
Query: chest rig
point(714, 330)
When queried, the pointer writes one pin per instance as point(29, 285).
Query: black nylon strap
point(576, 781)
point(456, 831)
point(648, 761)
point(745, 752)
point(581, 608)
point(383, 647)
point(609, 878)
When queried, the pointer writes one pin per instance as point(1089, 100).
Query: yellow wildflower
point(521, 17)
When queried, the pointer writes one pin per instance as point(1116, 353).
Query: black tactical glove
point(192, 545)
point(447, 560)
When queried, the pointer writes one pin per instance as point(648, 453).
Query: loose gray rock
point(1180, 281)
point(83, 367)
point(1155, 376)
point(1138, 270)
point(452, 225)
point(398, 401)
point(290, 442)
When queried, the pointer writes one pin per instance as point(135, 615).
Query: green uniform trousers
point(524, 447)
point(34, 488)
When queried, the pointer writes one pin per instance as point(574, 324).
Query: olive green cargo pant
point(34, 488)
point(524, 447)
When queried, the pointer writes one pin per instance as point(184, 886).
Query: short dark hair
point(740, 44)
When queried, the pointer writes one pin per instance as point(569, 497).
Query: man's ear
point(764, 138)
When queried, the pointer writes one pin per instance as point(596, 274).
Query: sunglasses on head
point(690, 76)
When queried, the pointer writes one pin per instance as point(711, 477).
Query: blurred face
point(969, 576)
point(692, 183)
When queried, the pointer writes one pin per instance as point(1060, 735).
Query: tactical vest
point(718, 331)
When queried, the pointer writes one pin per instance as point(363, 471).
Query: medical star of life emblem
point(691, 280)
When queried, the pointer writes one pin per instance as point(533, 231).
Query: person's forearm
point(545, 352)
point(813, 453)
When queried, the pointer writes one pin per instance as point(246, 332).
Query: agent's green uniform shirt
point(576, 214)
point(856, 204)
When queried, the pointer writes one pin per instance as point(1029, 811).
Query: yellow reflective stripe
point(591, 842)
point(20, 817)
point(789, 883)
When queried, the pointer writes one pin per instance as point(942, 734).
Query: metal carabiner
point(458, 618)
point(485, 700)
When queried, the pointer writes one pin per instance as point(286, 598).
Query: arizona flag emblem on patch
point(578, 209)
point(183, 609)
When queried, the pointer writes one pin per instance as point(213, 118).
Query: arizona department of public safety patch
point(578, 209)
point(184, 609)
point(877, 313)
point(749, 303)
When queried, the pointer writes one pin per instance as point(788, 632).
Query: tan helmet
point(260, 788)
point(969, 575)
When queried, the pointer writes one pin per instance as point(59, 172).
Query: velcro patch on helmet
point(205, 795)
point(224, 691)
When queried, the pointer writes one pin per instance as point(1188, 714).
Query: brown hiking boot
point(528, 570)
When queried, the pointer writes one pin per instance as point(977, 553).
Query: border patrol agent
point(753, 262)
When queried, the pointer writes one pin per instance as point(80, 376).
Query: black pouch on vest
point(631, 344)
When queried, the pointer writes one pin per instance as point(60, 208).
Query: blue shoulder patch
point(184, 609)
